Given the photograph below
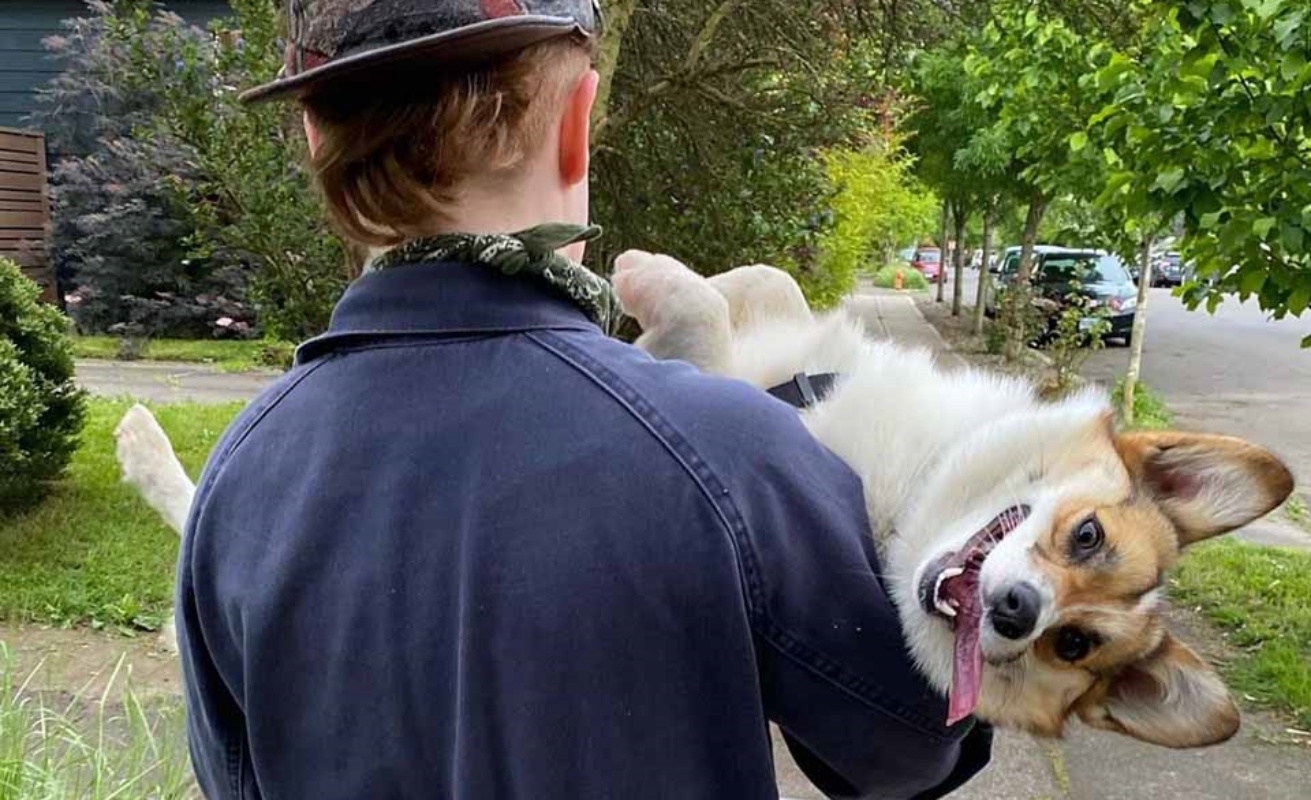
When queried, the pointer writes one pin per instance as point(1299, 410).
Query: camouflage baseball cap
point(333, 42)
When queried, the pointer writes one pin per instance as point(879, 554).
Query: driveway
point(168, 382)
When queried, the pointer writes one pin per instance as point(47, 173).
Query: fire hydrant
point(898, 280)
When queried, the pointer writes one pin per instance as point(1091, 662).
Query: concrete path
point(894, 316)
point(169, 382)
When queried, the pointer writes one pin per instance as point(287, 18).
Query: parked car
point(1101, 277)
point(928, 262)
point(1168, 270)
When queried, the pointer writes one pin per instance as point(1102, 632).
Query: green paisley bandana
point(530, 252)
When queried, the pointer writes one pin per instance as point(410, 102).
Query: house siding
point(24, 64)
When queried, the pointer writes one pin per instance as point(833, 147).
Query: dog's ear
point(1172, 698)
point(1206, 485)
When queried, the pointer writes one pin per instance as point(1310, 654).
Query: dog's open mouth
point(950, 589)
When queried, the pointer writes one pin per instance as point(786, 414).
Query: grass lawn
point(230, 355)
point(1261, 598)
point(93, 552)
point(1150, 412)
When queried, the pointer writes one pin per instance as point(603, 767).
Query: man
point(471, 547)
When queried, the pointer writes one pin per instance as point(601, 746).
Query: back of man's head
point(413, 106)
point(392, 165)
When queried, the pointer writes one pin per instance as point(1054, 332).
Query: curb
point(946, 345)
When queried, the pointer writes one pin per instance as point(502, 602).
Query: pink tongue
point(967, 666)
point(967, 670)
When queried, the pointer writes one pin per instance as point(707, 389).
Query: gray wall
point(24, 64)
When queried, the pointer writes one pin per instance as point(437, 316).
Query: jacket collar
point(442, 299)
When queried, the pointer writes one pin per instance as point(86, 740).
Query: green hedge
point(41, 408)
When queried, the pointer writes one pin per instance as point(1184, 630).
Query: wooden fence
point(25, 206)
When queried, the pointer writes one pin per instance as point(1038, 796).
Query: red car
point(928, 261)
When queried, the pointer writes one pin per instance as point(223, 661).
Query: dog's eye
point(1072, 644)
point(1088, 537)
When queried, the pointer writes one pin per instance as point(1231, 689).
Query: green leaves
point(1078, 141)
point(1298, 300)
point(1170, 180)
point(1230, 157)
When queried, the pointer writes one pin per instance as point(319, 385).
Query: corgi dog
point(1025, 543)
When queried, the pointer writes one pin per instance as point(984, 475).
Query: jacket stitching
point(713, 490)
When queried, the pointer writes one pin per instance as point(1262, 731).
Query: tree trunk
point(942, 249)
point(980, 301)
point(1016, 332)
point(1139, 331)
point(1032, 221)
point(617, 16)
point(958, 264)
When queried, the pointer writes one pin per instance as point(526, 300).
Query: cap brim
point(467, 46)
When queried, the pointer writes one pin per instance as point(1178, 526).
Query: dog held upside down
point(1025, 543)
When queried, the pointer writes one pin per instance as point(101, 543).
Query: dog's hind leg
point(150, 466)
point(682, 316)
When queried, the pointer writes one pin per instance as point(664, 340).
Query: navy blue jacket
point(469, 547)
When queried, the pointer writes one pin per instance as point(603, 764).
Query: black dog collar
point(804, 391)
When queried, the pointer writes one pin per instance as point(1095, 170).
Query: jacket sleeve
point(835, 673)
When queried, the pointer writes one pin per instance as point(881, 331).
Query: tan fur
point(1138, 680)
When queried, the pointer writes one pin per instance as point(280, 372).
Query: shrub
point(41, 409)
point(176, 208)
point(876, 203)
point(911, 279)
point(119, 233)
point(1076, 330)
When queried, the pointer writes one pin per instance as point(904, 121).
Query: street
point(168, 382)
point(1237, 372)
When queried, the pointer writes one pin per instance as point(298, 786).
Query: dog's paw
point(661, 292)
point(144, 452)
point(148, 463)
point(168, 636)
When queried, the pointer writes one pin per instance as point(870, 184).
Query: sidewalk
point(893, 315)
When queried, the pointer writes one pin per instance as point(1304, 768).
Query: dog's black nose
point(1014, 611)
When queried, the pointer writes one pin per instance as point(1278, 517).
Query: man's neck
point(505, 208)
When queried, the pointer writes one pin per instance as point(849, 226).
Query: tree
point(119, 237)
point(1029, 67)
point(252, 203)
point(1208, 118)
point(713, 115)
point(1138, 337)
point(175, 200)
point(944, 121)
point(877, 205)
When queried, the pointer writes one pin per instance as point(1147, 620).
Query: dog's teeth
point(946, 608)
point(944, 576)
